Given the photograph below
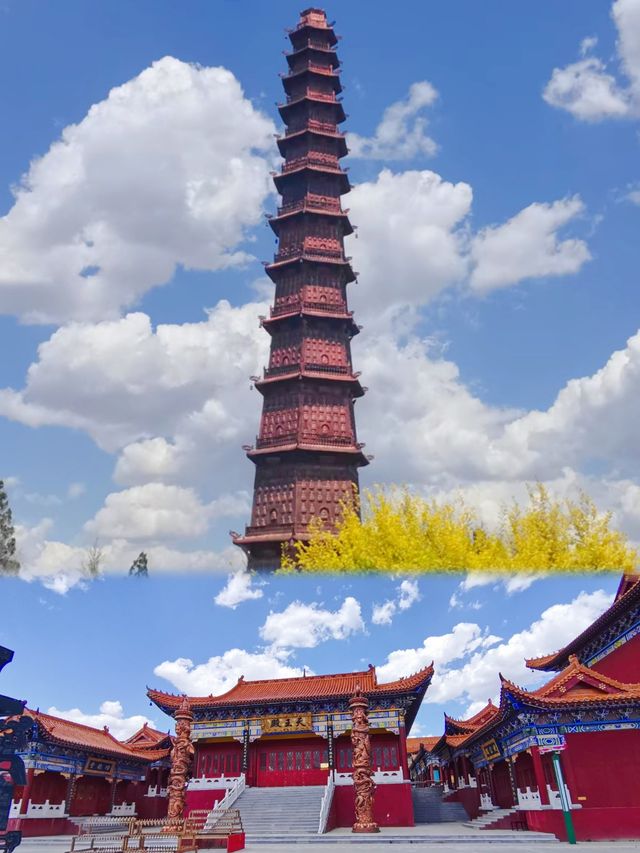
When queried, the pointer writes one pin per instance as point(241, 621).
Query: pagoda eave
point(285, 109)
point(355, 454)
point(293, 76)
point(282, 178)
point(296, 375)
point(308, 30)
point(340, 139)
point(270, 323)
point(314, 259)
point(276, 221)
point(327, 53)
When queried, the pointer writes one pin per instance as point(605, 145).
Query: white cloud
point(238, 588)
point(119, 380)
point(76, 490)
point(477, 678)
point(60, 566)
point(111, 714)
point(304, 626)
point(221, 673)
point(382, 614)
point(634, 195)
point(150, 512)
point(401, 134)
point(587, 89)
point(410, 242)
point(464, 638)
point(528, 246)
point(180, 140)
point(408, 593)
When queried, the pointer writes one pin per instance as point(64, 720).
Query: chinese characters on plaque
point(287, 723)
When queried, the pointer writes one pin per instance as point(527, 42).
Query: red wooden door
point(92, 797)
point(502, 785)
point(287, 763)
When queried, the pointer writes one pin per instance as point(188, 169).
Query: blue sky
point(105, 643)
point(494, 164)
point(497, 194)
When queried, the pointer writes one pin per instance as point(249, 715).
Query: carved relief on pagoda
point(319, 348)
point(308, 416)
point(322, 498)
point(285, 349)
point(320, 353)
point(273, 504)
point(288, 494)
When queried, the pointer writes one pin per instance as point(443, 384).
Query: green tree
point(9, 564)
point(140, 566)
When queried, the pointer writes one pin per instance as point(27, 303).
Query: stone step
point(497, 837)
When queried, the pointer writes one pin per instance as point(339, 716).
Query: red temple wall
point(37, 827)
point(203, 799)
point(393, 805)
point(622, 663)
point(50, 786)
point(598, 824)
point(603, 768)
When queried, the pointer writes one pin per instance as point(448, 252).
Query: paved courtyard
point(450, 838)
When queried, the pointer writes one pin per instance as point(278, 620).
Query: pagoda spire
point(307, 453)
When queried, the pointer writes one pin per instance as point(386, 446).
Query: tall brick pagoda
point(307, 454)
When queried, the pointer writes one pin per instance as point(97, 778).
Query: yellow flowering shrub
point(402, 531)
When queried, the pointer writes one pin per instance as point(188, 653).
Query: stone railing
point(325, 806)
point(380, 777)
point(555, 800)
point(388, 777)
point(122, 809)
point(317, 158)
point(327, 307)
point(529, 799)
point(486, 804)
point(207, 783)
point(46, 809)
point(226, 802)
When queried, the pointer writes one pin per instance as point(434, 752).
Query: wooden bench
point(224, 831)
point(163, 836)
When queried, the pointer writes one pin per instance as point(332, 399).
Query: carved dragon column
point(181, 760)
point(362, 770)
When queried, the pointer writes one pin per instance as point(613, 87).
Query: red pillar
point(538, 770)
point(404, 760)
point(26, 793)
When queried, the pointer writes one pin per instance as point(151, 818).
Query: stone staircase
point(272, 814)
point(487, 820)
point(430, 807)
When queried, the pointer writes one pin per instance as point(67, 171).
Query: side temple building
point(585, 720)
